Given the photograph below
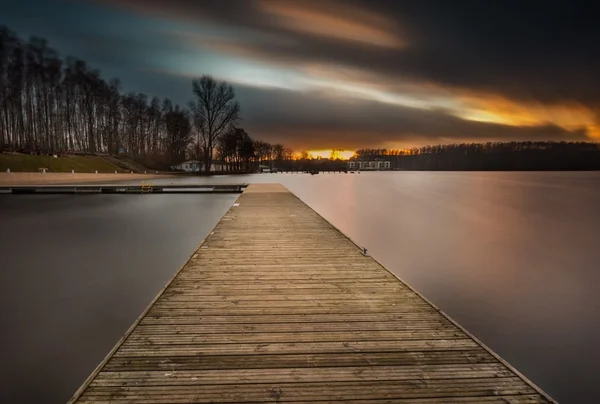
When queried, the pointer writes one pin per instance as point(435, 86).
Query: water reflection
point(512, 256)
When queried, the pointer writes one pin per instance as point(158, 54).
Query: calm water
point(76, 271)
point(513, 257)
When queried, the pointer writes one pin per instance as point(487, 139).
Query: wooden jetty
point(277, 306)
point(144, 188)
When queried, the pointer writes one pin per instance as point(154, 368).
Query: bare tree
point(277, 152)
point(236, 148)
point(178, 130)
point(215, 110)
point(263, 151)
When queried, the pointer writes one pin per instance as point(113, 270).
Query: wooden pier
point(144, 188)
point(277, 306)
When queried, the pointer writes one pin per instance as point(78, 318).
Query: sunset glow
point(325, 154)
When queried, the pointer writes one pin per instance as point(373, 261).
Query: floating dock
point(278, 306)
point(144, 188)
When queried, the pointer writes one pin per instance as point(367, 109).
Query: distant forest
point(492, 156)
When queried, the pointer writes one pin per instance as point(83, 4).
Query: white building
point(189, 166)
point(194, 166)
point(368, 165)
point(264, 168)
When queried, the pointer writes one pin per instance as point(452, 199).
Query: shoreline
point(8, 179)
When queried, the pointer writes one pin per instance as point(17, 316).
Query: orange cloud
point(346, 84)
point(334, 20)
point(496, 109)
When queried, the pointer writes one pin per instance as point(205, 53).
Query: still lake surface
point(513, 257)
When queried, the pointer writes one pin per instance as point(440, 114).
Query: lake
point(513, 257)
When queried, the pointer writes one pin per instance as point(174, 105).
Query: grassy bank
point(17, 162)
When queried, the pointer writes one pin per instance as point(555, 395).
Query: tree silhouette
point(48, 105)
point(215, 111)
point(491, 156)
point(237, 150)
point(178, 128)
point(262, 151)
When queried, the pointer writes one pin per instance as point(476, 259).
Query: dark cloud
point(543, 51)
point(534, 52)
point(311, 118)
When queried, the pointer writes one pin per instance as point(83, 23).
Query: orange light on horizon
point(325, 154)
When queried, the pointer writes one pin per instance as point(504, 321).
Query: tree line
point(517, 156)
point(240, 153)
point(53, 106)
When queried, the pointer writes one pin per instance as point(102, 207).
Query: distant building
point(264, 168)
point(189, 166)
point(217, 165)
point(368, 165)
point(193, 166)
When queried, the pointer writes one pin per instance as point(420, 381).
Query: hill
point(19, 162)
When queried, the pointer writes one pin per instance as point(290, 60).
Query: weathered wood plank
point(268, 289)
point(232, 328)
point(278, 306)
point(298, 347)
point(346, 304)
point(279, 361)
point(340, 391)
point(291, 337)
point(290, 318)
point(272, 297)
point(273, 391)
point(299, 375)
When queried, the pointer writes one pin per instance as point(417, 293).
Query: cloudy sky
point(349, 73)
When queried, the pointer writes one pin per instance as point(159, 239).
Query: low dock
point(277, 306)
point(144, 188)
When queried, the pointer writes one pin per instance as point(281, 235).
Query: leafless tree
point(262, 150)
point(214, 110)
point(277, 155)
point(48, 105)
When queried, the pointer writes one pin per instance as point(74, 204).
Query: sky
point(349, 74)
